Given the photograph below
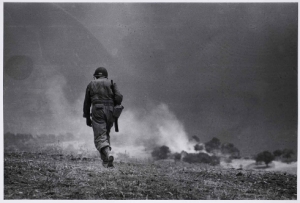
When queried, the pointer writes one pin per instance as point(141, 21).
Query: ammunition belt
point(105, 103)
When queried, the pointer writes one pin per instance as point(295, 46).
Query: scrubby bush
point(277, 153)
point(287, 156)
point(177, 156)
point(287, 153)
point(198, 147)
point(213, 145)
point(160, 152)
point(230, 150)
point(265, 156)
point(201, 158)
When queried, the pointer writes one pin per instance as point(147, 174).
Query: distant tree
point(287, 156)
point(212, 145)
point(277, 153)
point(198, 147)
point(287, 153)
point(160, 152)
point(265, 156)
point(231, 150)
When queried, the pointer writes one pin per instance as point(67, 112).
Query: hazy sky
point(226, 70)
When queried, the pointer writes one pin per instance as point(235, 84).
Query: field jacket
point(99, 91)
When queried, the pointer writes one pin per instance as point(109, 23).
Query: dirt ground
point(56, 176)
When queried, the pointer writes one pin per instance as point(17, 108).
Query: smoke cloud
point(140, 130)
point(146, 130)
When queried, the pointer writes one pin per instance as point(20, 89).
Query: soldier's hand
point(89, 122)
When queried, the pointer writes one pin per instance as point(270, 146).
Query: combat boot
point(109, 157)
point(105, 164)
point(104, 159)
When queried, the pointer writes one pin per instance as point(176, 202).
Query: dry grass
point(46, 176)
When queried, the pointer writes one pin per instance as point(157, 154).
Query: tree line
point(285, 155)
point(212, 151)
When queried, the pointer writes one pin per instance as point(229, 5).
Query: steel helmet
point(101, 71)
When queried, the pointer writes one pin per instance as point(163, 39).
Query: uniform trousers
point(102, 122)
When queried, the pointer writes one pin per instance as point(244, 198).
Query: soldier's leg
point(99, 122)
point(109, 124)
point(101, 139)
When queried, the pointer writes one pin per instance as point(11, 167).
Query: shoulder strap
point(113, 90)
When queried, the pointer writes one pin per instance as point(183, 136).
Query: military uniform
point(100, 96)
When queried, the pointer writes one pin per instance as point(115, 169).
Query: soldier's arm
point(87, 103)
point(118, 95)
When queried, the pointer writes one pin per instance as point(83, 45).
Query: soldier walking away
point(102, 96)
